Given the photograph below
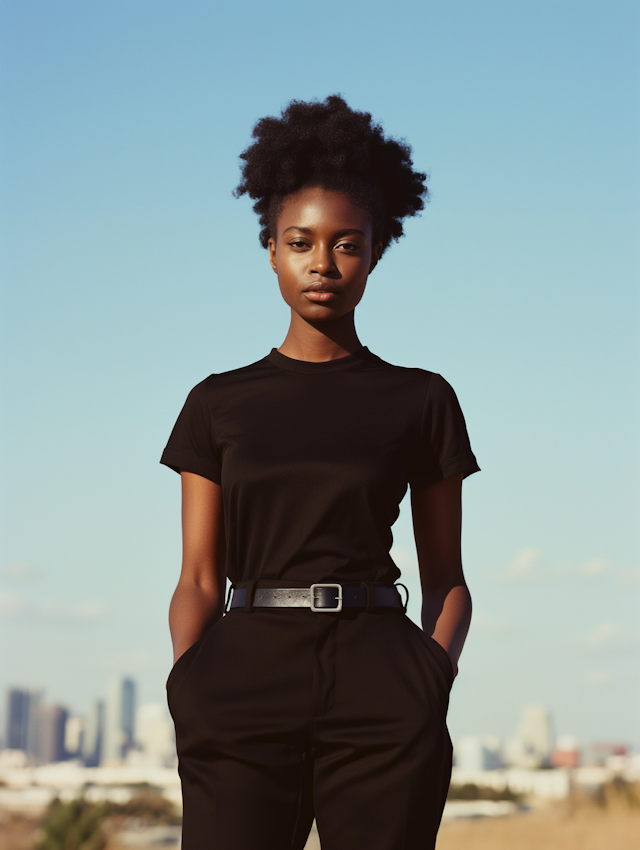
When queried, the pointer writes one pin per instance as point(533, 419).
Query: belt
point(326, 598)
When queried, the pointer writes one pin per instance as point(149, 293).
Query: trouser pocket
point(437, 653)
point(181, 668)
point(442, 657)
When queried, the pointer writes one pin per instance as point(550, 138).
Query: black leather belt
point(327, 597)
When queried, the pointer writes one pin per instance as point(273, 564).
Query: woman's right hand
point(199, 597)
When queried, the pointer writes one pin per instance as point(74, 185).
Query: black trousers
point(282, 715)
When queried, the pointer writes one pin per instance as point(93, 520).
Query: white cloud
point(609, 636)
point(594, 567)
point(83, 612)
point(521, 567)
point(524, 568)
point(590, 569)
point(12, 604)
point(19, 571)
point(15, 606)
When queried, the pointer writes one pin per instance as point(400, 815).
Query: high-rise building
point(533, 743)
point(93, 738)
point(478, 752)
point(52, 720)
point(119, 730)
point(17, 719)
point(154, 734)
point(22, 720)
point(74, 736)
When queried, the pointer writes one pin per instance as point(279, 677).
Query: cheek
point(287, 283)
point(286, 264)
point(288, 274)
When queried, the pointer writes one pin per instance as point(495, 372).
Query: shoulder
point(425, 378)
point(218, 381)
point(430, 390)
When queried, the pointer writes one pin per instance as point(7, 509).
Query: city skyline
point(131, 273)
point(112, 730)
point(115, 729)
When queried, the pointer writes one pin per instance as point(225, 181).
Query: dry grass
point(17, 832)
point(608, 822)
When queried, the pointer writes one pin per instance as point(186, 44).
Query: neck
point(321, 341)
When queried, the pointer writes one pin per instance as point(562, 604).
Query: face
point(323, 253)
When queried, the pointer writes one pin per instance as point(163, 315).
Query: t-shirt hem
point(461, 464)
point(180, 462)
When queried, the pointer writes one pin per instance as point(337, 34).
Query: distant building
point(74, 736)
point(93, 738)
point(566, 753)
point(23, 721)
point(533, 743)
point(155, 736)
point(52, 721)
point(478, 752)
point(602, 751)
point(17, 719)
point(119, 727)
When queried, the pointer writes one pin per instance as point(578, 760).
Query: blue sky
point(130, 273)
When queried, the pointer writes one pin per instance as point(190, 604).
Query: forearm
point(446, 615)
point(193, 607)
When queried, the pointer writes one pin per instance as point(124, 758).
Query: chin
point(320, 314)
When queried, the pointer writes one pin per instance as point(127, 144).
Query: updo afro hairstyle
point(328, 144)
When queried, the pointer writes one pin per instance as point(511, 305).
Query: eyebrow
point(346, 232)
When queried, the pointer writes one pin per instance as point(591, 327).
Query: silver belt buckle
point(312, 595)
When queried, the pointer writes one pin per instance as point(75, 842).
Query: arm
point(199, 597)
point(446, 603)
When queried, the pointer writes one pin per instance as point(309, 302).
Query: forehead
point(322, 209)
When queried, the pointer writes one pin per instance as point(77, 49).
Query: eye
point(349, 246)
point(298, 243)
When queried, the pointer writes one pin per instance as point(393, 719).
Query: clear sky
point(131, 273)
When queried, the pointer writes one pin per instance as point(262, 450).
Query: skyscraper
point(74, 736)
point(52, 720)
point(533, 743)
point(478, 752)
point(120, 720)
point(22, 720)
point(154, 734)
point(17, 719)
point(535, 730)
point(93, 739)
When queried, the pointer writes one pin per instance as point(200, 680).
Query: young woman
point(314, 694)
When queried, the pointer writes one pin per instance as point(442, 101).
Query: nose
point(323, 263)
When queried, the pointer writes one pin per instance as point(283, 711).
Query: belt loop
point(371, 597)
point(406, 602)
point(248, 600)
point(228, 599)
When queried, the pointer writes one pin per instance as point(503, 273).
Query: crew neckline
point(317, 367)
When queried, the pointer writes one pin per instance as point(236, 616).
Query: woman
point(315, 694)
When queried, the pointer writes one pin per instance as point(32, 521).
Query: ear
point(272, 255)
point(375, 256)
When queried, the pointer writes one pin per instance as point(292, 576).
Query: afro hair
point(328, 144)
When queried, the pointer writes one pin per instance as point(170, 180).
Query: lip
point(321, 292)
point(320, 295)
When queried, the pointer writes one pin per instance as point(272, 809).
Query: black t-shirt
point(315, 458)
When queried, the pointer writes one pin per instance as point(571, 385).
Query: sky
point(130, 273)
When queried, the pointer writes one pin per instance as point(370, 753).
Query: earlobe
point(375, 256)
point(272, 255)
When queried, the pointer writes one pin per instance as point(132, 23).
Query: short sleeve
point(444, 449)
point(192, 446)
